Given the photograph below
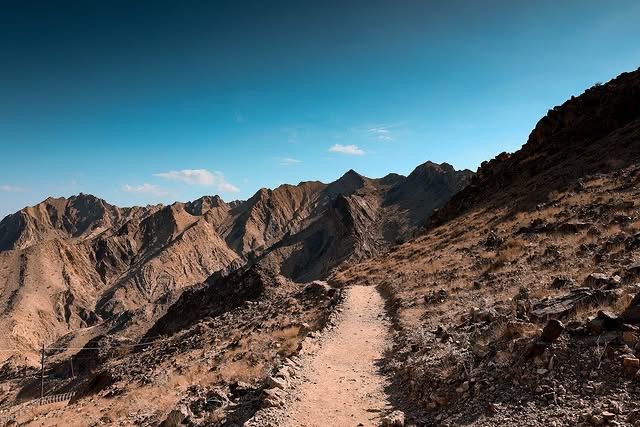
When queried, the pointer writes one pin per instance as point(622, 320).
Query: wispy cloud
point(288, 161)
point(293, 133)
point(200, 177)
point(11, 188)
point(385, 132)
point(353, 150)
point(145, 189)
point(381, 133)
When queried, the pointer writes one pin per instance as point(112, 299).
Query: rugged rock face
point(596, 132)
point(79, 262)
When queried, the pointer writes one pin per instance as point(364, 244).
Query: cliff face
point(594, 132)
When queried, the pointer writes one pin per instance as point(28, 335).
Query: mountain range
point(71, 263)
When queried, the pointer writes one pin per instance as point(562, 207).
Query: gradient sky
point(145, 102)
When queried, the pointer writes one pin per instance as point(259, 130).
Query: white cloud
point(288, 161)
point(200, 177)
point(145, 189)
point(11, 188)
point(353, 150)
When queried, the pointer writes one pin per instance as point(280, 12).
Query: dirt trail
point(342, 384)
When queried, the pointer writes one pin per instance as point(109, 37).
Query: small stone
point(631, 362)
point(463, 388)
point(394, 419)
point(608, 416)
point(277, 382)
point(629, 337)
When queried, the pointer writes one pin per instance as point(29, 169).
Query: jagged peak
point(433, 167)
point(201, 205)
point(348, 183)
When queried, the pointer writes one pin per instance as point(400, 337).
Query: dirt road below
point(342, 385)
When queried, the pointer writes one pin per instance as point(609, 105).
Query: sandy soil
point(342, 384)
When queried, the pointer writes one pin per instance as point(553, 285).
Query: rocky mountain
point(517, 305)
point(595, 132)
point(81, 264)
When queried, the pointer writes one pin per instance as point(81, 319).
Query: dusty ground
point(342, 383)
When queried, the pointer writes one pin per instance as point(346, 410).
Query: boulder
point(630, 338)
point(561, 306)
point(632, 313)
point(318, 289)
point(176, 417)
point(604, 321)
point(562, 282)
point(601, 281)
point(552, 331)
point(272, 397)
point(480, 315)
point(277, 382)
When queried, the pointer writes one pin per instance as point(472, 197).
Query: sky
point(150, 101)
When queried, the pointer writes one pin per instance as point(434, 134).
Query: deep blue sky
point(119, 98)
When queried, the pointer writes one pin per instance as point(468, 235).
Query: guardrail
point(23, 407)
point(56, 398)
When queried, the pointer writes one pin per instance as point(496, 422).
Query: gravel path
point(341, 384)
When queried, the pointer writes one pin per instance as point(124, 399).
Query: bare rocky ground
point(211, 371)
point(473, 299)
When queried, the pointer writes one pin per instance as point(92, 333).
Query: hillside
point(512, 308)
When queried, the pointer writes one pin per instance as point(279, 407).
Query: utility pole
point(42, 374)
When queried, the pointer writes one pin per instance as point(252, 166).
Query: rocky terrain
point(517, 304)
point(513, 300)
point(208, 364)
point(157, 300)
